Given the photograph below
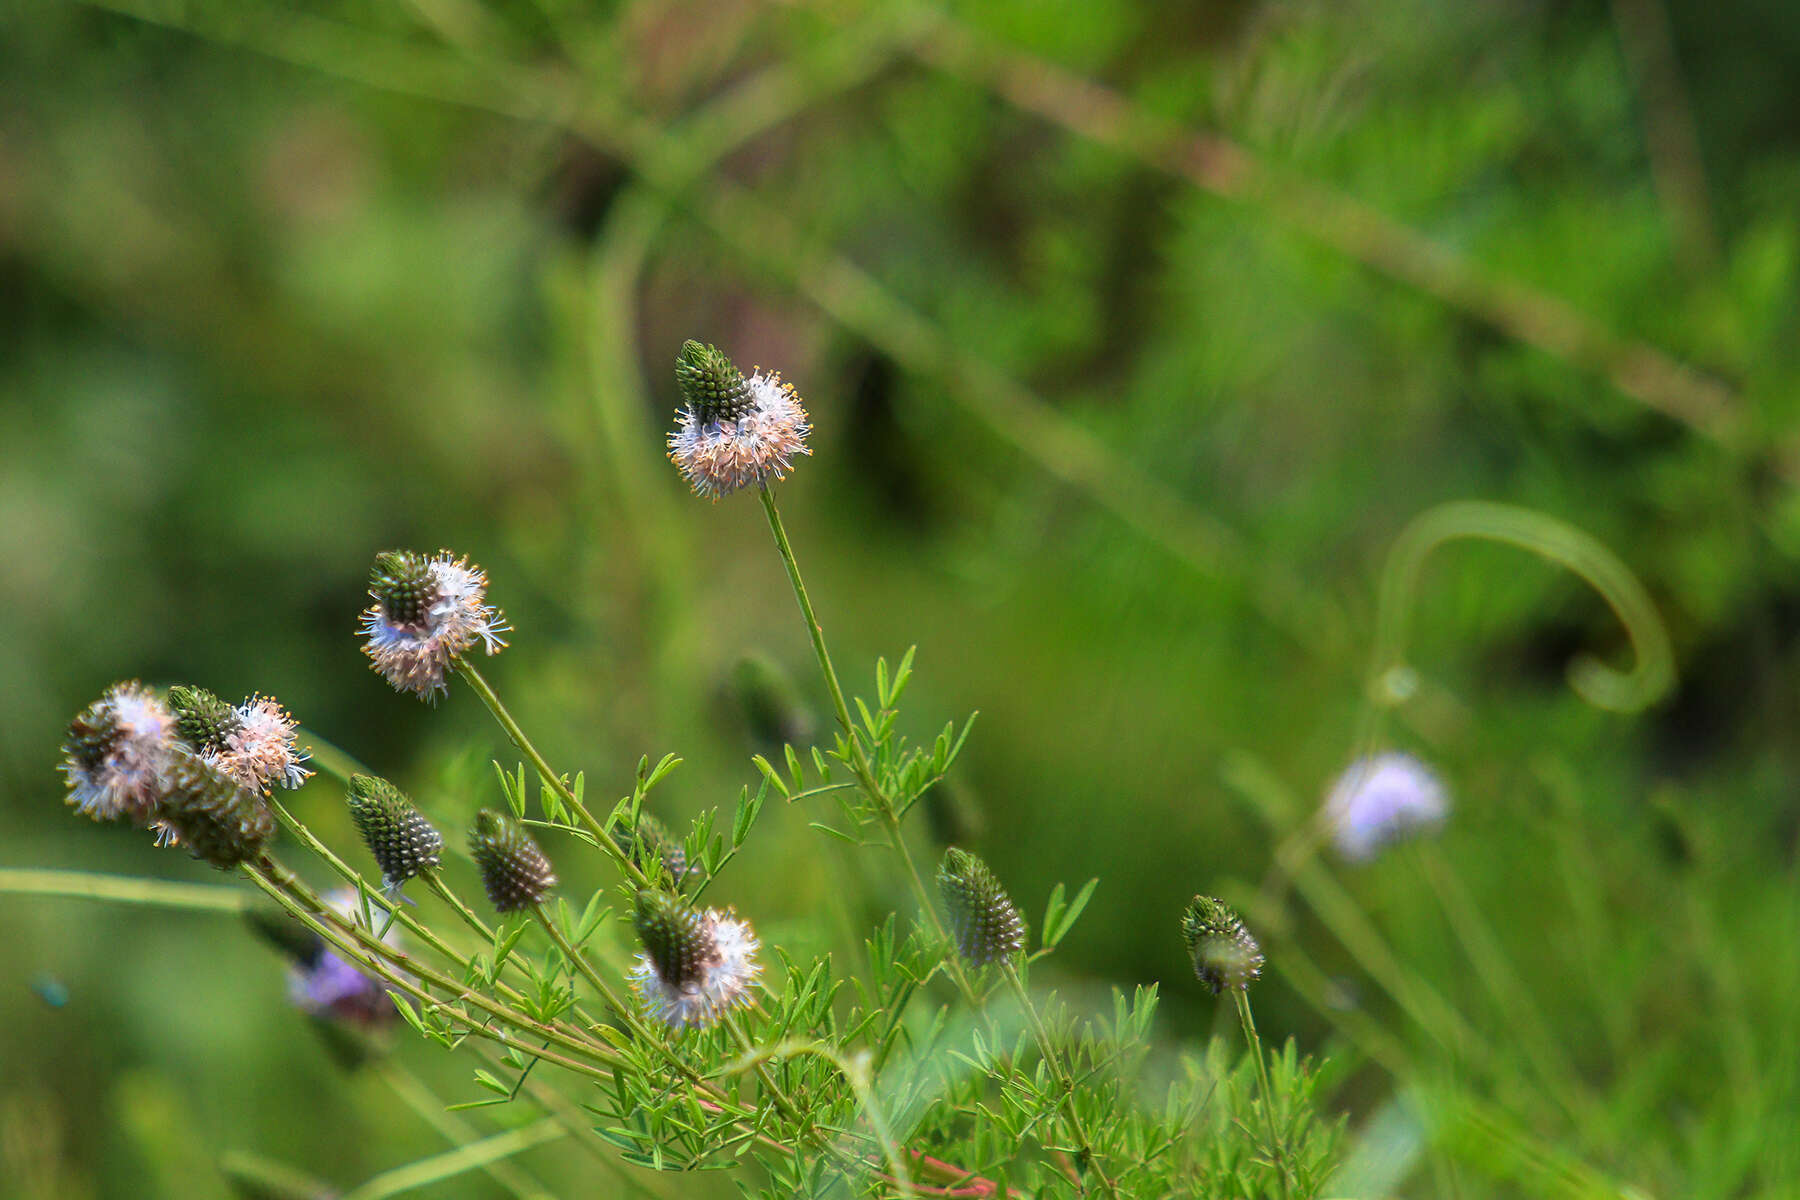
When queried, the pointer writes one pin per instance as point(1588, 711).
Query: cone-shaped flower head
point(397, 834)
point(253, 743)
point(983, 919)
point(426, 612)
point(1224, 953)
point(213, 815)
point(513, 870)
point(731, 431)
point(202, 719)
point(696, 966)
point(326, 985)
point(118, 753)
point(1383, 799)
point(651, 841)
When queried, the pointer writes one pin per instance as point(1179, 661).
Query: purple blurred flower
point(1383, 799)
point(329, 986)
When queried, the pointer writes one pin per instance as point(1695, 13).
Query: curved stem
point(1600, 685)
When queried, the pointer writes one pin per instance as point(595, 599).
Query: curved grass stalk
point(1651, 675)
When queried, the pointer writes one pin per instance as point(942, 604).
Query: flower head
point(513, 870)
point(426, 612)
point(983, 918)
point(213, 815)
point(696, 966)
point(398, 835)
point(1224, 953)
point(324, 984)
point(253, 742)
point(1380, 800)
point(731, 431)
point(118, 753)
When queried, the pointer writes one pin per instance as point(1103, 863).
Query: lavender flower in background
point(323, 984)
point(1383, 799)
point(696, 966)
point(731, 431)
point(117, 754)
point(426, 612)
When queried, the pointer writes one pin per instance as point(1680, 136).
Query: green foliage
point(1134, 344)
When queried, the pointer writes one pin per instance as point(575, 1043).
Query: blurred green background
point(1115, 426)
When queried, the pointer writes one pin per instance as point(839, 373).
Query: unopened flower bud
point(213, 815)
point(513, 870)
point(983, 919)
point(202, 719)
point(403, 842)
point(1224, 953)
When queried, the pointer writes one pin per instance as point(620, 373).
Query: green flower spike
point(983, 918)
point(513, 870)
point(711, 386)
point(675, 938)
point(202, 719)
point(1224, 953)
point(221, 822)
point(402, 583)
point(397, 834)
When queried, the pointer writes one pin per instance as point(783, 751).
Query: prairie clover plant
point(662, 1028)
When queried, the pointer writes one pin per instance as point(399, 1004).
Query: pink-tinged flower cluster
point(426, 613)
point(726, 973)
point(118, 753)
point(261, 753)
point(719, 456)
point(327, 985)
point(1381, 800)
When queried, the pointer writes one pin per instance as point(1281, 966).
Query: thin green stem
point(1277, 1147)
point(627, 1013)
point(859, 759)
point(474, 1156)
point(453, 1129)
point(1065, 1082)
point(119, 889)
point(551, 779)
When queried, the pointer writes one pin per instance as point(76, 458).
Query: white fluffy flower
point(719, 455)
point(117, 754)
point(426, 612)
point(725, 969)
point(260, 753)
point(1381, 800)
